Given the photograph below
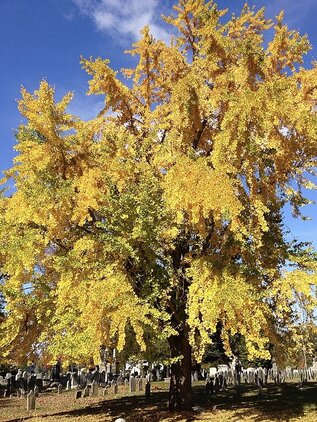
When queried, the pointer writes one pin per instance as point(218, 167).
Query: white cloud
point(85, 107)
point(125, 18)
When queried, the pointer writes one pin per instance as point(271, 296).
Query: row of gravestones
point(133, 384)
point(82, 379)
point(31, 396)
point(223, 375)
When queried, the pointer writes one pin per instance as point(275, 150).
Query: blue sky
point(45, 38)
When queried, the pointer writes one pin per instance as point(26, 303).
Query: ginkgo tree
point(163, 215)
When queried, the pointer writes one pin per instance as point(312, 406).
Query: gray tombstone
point(86, 392)
point(78, 394)
point(147, 390)
point(68, 385)
point(115, 388)
point(30, 401)
point(126, 382)
point(59, 389)
point(89, 377)
point(132, 384)
point(105, 391)
point(94, 389)
point(36, 391)
point(140, 384)
point(82, 379)
point(96, 376)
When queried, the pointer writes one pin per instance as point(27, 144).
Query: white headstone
point(212, 372)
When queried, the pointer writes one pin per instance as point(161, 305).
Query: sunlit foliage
point(164, 213)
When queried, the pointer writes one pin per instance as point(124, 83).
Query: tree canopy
point(163, 215)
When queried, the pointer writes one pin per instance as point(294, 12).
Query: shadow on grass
point(278, 402)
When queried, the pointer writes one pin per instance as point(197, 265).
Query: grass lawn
point(278, 403)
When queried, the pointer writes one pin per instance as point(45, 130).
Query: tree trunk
point(180, 394)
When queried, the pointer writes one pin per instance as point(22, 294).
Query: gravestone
point(82, 379)
point(30, 401)
point(36, 391)
point(74, 380)
point(212, 372)
point(132, 385)
point(126, 382)
point(105, 391)
point(59, 389)
point(86, 392)
point(115, 388)
point(89, 377)
point(147, 390)
point(140, 384)
point(78, 394)
point(94, 389)
point(96, 376)
point(31, 382)
point(68, 385)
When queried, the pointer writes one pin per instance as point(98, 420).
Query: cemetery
point(221, 393)
point(158, 257)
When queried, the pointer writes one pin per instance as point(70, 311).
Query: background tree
point(165, 212)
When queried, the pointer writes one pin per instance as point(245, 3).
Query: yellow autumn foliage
point(164, 213)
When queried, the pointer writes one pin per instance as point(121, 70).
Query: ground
point(278, 403)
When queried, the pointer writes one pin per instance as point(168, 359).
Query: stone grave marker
point(212, 372)
point(147, 390)
point(73, 380)
point(140, 384)
point(68, 385)
point(78, 394)
point(115, 388)
point(89, 377)
point(30, 401)
point(36, 391)
point(132, 385)
point(105, 391)
point(86, 392)
point(59, 389)
point(94, 389)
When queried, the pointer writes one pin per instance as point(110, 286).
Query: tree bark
point(180, 394)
